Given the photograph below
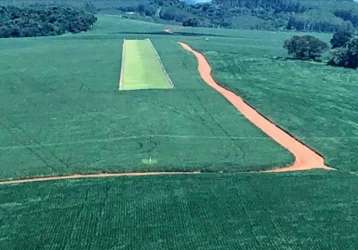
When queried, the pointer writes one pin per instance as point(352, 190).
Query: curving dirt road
point(305, 157)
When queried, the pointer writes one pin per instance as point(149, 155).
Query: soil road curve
point(305, 157)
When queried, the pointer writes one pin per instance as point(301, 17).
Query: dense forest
point(300, 15)
point(44, 21)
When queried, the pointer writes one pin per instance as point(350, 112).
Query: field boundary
point(305, 157)
point(36, 179)
point(91, 176)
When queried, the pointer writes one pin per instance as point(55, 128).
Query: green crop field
point(142, 67)
point(207, 211)
point(61, 111)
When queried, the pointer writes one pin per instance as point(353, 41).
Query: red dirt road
point(305, 158)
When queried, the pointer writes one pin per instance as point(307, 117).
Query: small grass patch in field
point(142, 67)
point(149, 161)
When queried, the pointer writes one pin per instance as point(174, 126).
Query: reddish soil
point(305, 157)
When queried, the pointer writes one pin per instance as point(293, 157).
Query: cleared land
point(208, 211)
point(142, 67)
point(64, 115)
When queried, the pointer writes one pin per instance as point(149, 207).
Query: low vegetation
point(42, 21)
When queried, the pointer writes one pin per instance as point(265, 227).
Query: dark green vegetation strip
point(61, 112)
point(303, 15)
point(209, 211)
point(315, 102)
point(42, 21)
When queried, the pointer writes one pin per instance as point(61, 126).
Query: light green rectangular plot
point(142, 67)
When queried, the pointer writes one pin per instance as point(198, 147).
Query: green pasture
point(142, 67)
point(315, 102)
point(316, 210)
point(61, 111)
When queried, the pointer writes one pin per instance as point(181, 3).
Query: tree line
point(300, 15)
point(43, 21)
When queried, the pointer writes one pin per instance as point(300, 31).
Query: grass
point(142, 67)
point(315, 210)
point(61, 111)
point(315, 102)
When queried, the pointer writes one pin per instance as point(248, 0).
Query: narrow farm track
point(305, 157)
point(90, 176)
